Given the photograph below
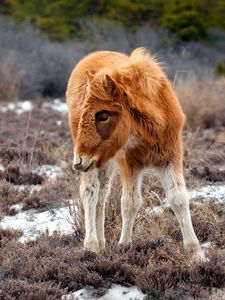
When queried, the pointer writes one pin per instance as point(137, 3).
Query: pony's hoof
point(199, 257)
point(92, 245)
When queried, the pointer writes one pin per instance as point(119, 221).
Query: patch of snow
point(33, 224)
point(213, 192)
point(56, 105)
point(31, 187)
point(58, 122)
point(206, 245)
point(222, 168)
point(48, 171)
point(16, 207)
point(18, 107)
point(217, 294)
point(156, 210)
point(216, 192)
point(2, 168)
point(117, 292)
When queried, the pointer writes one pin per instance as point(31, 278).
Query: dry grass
point(203, 101)
point(10, 80)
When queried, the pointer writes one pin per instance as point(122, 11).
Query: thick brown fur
point(122, 108)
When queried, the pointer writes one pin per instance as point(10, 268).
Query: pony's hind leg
point(106, 175)
point(89, 189)
point(176, 193)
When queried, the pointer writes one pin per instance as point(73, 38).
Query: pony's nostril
point(77, 166)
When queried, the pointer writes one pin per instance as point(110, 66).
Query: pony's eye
point(102, 116)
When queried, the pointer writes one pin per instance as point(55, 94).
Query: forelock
point(96, 87)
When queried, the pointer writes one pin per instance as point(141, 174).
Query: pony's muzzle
point(82, 163)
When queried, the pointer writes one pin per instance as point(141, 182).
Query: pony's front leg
point(131, 201)
point(89, 190)
point(106, 175)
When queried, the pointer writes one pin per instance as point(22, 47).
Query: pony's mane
point(140, 54)
point(148, 69)
point(140, 74)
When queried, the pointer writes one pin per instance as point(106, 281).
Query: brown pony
point(122, 110)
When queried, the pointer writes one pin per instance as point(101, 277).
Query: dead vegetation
point(15, 176)
point(50, 194)
point(52, 266)
point(204, 155)
point(155, 262)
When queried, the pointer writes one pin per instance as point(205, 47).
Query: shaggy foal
point(122, 110)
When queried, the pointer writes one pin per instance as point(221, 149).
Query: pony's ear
point(90, 75)
point(109, 85)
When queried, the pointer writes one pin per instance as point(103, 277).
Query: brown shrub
point(15, 153)
point(9, 234)
point(53, 194)
point(10, 196)
point(209, 224)
point(211, 173)
point(158, 267)
point(23, 289)
point(15, 175)
point(211, 274)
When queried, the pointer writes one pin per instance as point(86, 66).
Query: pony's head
point(104, 125)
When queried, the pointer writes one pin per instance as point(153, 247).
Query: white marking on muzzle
point(76, 158)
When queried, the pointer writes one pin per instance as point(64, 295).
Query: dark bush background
point(190, 19)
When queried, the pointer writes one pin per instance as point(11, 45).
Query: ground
point(41, 233)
